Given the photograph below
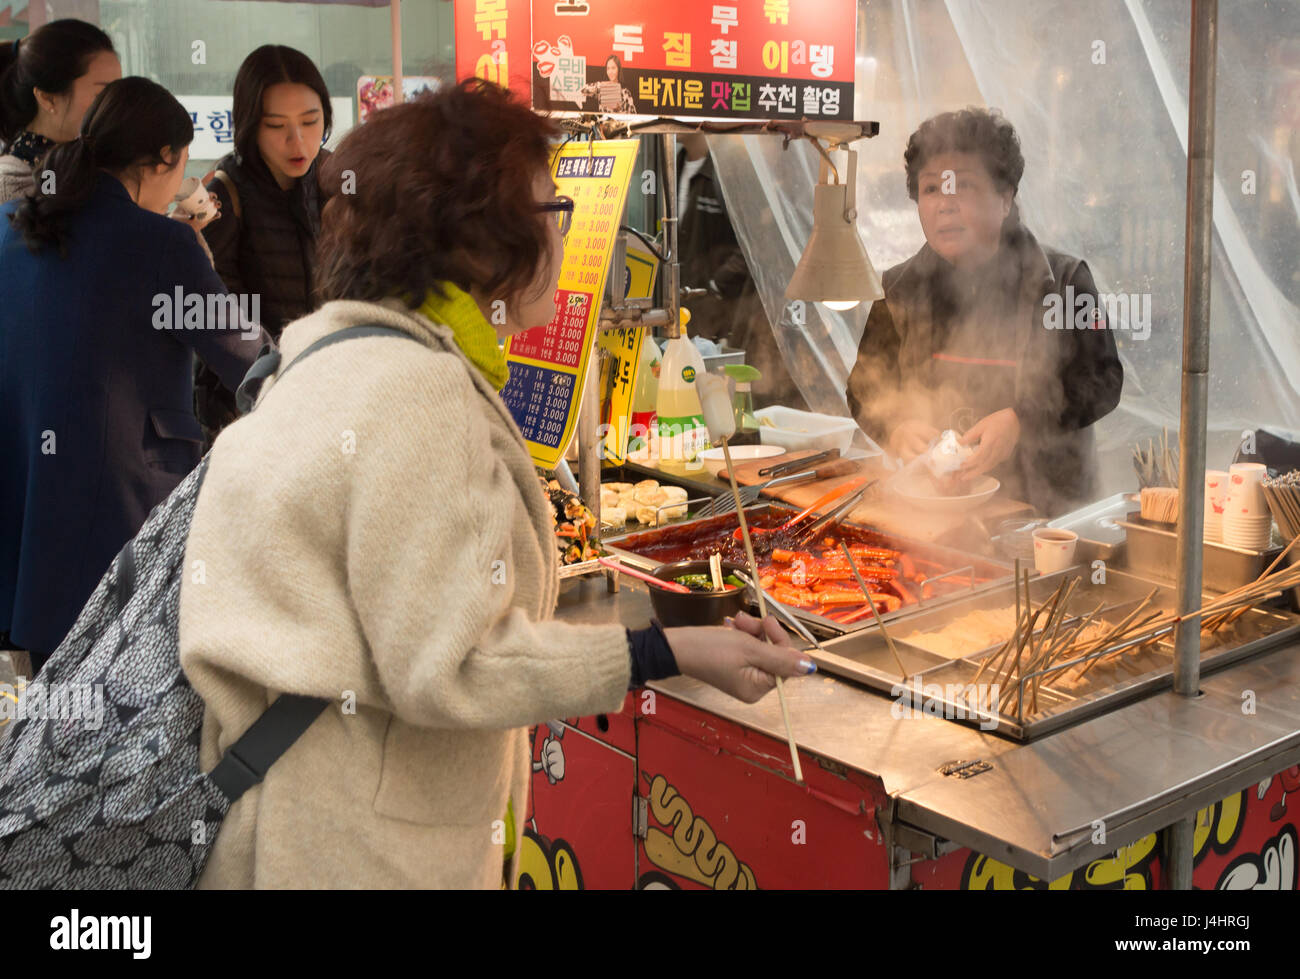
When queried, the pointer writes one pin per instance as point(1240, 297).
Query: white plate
point(715, 462)
point(916, 489)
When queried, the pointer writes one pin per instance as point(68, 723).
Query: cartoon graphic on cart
point(1290, 782)
point(552, 760)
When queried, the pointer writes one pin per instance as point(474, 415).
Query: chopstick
point(642, 576)
point(762, 606)
point(880, 623)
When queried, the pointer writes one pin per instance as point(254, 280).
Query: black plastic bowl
point(697, 608)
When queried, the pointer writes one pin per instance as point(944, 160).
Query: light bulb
point(840, 304)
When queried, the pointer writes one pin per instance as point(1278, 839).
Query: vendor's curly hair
point(982, 131)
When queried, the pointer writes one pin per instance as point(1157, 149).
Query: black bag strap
point(269, 359)
point(246, 762)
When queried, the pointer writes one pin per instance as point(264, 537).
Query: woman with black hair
point(270, 199)
point(104, 299)
point(47, 81)
point(962, 339)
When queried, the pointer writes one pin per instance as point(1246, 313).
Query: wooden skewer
point(762, 606)
point(1111, 637)
point(880, 623)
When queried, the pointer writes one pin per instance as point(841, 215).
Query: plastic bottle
point(744, 375)
point(682, 433)
point(643, 431)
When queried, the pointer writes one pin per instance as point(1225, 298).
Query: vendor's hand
point(996, 435)
point(911, 438)
point(736, 660)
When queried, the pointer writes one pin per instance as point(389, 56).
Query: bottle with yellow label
point(682, 433)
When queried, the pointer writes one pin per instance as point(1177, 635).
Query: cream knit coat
point(16, 178)
point(374, 533)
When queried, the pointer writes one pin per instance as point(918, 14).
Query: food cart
point(1149, 757)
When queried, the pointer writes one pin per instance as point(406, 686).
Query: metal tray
point(1152, 552)
point(938, 684)
point(1101, 537)
point(960, 563)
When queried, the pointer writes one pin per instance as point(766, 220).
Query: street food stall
point(1103, 698)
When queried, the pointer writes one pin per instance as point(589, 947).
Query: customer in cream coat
point(374, 533)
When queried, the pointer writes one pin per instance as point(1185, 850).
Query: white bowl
point(917, 489)
point(714, 461)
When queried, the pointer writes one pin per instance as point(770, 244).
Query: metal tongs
point(783, 613)
point(808, 462)
point(840, 511)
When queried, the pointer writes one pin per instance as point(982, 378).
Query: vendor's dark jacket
point(711, 258)
point(268, 250)
point(1059, 381)
point(710, 253)
point(97, 422)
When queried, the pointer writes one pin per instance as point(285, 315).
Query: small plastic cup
point(1054, 549)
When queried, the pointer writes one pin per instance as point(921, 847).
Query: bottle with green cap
point(744, 375)
point(682, 432)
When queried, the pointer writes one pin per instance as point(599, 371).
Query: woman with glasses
point(374, 533)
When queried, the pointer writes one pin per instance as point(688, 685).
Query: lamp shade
point(834, 266)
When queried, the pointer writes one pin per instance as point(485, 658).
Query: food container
point(1153, 548)
point(957, 573)
point(798, 430)
point(698, 608)
point(1100, 535)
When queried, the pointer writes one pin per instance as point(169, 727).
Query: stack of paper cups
point(1216, 497)
point(1247, 520)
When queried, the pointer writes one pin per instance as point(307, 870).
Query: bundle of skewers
point(1048, 641)
point(1157, 465)
point(1283, 496)
point(1159, 504)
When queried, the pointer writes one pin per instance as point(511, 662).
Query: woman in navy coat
point(102, 302)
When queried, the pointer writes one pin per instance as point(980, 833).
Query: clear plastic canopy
point(1098, 94)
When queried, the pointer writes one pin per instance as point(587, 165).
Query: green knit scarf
point(472, 332)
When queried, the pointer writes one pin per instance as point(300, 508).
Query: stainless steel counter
point(1135, 769)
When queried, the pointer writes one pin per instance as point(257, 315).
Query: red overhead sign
point(751, 59)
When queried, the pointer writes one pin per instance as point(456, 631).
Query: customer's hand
point(911, 438)
point(736, 660)
point(997, 435)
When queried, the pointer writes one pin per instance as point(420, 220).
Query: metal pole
point(1196, 343)
point(1196, 366)
point(589, 441)
point(395, 14)
point(668, 214)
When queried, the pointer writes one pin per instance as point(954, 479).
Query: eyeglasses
point(562, 207)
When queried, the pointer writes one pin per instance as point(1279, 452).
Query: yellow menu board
point(548, 364)
point(618, 375)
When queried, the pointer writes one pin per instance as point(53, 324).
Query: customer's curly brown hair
point(981, 131)
point(439, 189)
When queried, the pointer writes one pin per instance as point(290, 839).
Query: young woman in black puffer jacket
point(270, 200)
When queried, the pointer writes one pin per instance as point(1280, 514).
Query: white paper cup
point(1213, 529)
point(1246, 490)
point(1216, 492)
point(1054, 549)
point(1246, 532)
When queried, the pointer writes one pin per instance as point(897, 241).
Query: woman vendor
point(969, 335)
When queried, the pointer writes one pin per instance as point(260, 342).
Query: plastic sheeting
point(1097, 91)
